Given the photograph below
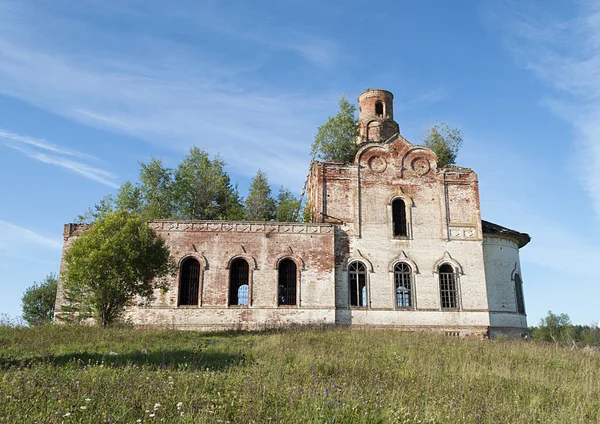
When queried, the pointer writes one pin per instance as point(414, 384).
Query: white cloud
point(168, 93)
point(52, 154)
point(14, 236)
point(564, 53)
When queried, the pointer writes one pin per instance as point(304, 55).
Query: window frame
point(411, 285)
point(358, 273)
point(519, 297)
point(198, 282)
point(456, 290)
point(296, 283)
point(231, 267)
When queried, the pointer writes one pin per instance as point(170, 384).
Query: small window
point(448, 290)
point(357, 278)
point(519, 294)
point(189, 282)
point(379, 109)
point(238, 282)
point(399, 218)
point(402, 281)
point(287, 282)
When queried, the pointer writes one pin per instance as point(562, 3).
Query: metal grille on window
point(402, 279)
point(448, 292)
point(357, 277)
point(519, 293)
point(189, 282)
point(399, 218)
point(287, 282)
point(238, 282)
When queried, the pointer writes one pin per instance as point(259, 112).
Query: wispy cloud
point(52, 154)
point(14, 235)
point(166, 91)
point(565, 54)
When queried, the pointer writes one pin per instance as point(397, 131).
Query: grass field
point(80, 374)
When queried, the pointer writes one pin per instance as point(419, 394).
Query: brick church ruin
point(394, 241)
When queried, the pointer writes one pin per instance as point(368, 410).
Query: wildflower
point(151, 415)
point(179, 405)
point(138, 421)
point(113, 353)
point(182, 413)
point(87, 399)
point(68, 414)
point(156, 406)
point(83, 407)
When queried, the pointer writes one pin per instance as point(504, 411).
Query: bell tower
point(376, 116)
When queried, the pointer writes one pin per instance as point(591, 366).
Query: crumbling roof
point(490, 228)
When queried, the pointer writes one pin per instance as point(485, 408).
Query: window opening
point(287, 282)
point(189, 282)
point(358, 284)
point(448, 292)
point(379, 109)
point(238, 282)
point(519, 293)
point(402, 279)
point(399, 218)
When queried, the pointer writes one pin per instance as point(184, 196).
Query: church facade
point(394, 241)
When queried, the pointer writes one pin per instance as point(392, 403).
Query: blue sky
point(90, 88)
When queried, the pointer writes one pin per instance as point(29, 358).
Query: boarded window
point(189, 282)
point(357, 278)
point(287, 282)
point(238, 282)
point(448, 290)
point(399, 218)
point(379, 109)
point(403, 285)
point(519, 294)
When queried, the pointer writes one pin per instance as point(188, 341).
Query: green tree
point(99, 210)
point(555, 328)
point(445, 140)
point(38, 301)
point(260, 205)
point(288, 206)
point(155, 190)
point(202, 189)
point(129, 198)
point(118, 258)
point(336, 139)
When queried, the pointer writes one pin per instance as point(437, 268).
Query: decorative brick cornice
point(242, 227)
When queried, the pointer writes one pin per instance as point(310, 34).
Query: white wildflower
point(83, 407)
point(67, 414)
point(113, 353)
point(179, 405)
point(87, 399)
point(151, 415)
point(156, 406)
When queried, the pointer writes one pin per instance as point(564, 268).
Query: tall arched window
point(287, 282)
point(403, 284)
point(379, 109)
point(448, 289)
point(519, 294)
point(189, 282)
point(238, 282)
point(399, 218)
point(357, 278)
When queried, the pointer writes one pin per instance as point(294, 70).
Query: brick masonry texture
point(351, 209)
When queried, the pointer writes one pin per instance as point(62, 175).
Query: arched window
point(189, 282)
point(379, 109)
point(399, 218)
point(519, 294)
point(238, 282)
point(287, 282)
point(403, 284)
point(448, 290)
point(357, 278)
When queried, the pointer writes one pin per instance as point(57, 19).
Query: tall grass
point(80, 374)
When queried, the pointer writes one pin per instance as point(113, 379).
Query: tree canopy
point(38, 301)
point(336, 139)
point(445, 140)
point(118, 258)
point(260, 205)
